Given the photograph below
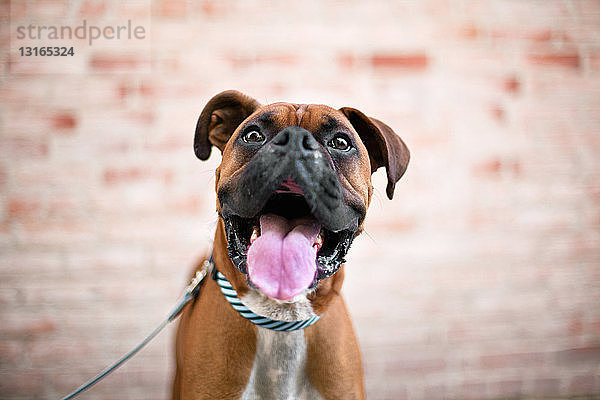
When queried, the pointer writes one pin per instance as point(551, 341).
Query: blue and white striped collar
point(282, 326)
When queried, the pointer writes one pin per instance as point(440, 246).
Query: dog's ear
point(219, 119)
point(385, 148)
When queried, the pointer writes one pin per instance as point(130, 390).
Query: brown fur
point(215, 346)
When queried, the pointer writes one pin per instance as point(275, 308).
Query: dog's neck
point(297, 310)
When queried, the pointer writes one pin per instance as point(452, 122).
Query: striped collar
point(236, 303)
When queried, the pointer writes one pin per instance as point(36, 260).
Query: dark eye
point(253, 136)
point(340, 143)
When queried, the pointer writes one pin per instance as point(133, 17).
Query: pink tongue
point(282, 260)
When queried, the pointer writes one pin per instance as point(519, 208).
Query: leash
point(191, 291)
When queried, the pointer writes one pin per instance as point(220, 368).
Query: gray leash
point(191, 291)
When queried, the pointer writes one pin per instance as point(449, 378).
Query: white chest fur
point(279, 368)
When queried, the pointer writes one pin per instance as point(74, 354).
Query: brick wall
point(480, 280)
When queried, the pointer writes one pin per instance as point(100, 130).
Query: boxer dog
point(292, 189)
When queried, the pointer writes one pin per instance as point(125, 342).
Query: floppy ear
point(385, 148)
point(219, 119)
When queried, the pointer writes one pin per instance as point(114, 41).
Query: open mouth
point(284, 249)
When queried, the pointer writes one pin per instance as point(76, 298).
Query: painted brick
point(20, 384)
point(512, 360)
point(496, 166)
point(16, 10)
point(424, 366)
point(92, 8)
point(55, 232)
point(546, 387)
point(281, 59)
point(24, 147)
point(400, 61)
point(64, 121)
point(512, 85)
point(498, 113)
point(570, 60)
point(506, 389)
point(3, 177)
point(346, 60)
point(132, 174)
point(469, 31)
point(170, 8)
point(579, 355)
point(472, 390)
point(26, 329)
point(146, 89)
point(584, 384)
point(11, 352)
point(126, 62)
point(542, 36)
point(575, 327)
point(210, 7)
point(22, 207)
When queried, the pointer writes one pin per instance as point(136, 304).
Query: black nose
point(295, 139)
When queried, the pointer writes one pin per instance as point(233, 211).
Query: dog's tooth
point(254, 235)
point(318, 241)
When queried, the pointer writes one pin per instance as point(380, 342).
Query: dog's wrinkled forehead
point(312, 117)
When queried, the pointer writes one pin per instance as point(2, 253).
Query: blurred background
point(480, 280)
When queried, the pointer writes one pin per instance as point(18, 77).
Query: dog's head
point(294, 185)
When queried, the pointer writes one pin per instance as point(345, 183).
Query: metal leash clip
point(193, 287)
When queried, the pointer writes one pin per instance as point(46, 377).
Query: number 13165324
point(48, 51)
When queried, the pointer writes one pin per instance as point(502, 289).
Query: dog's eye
point(340, 143)
point(253, 136)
